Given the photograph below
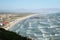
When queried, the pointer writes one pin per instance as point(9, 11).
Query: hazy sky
point(28, 4)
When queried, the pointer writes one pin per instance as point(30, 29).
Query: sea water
point(39, 27)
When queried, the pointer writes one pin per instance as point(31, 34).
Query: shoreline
point(11, 24)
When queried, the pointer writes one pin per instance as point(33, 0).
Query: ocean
point(39, 27)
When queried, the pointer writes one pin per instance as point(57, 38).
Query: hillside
point(8, 35)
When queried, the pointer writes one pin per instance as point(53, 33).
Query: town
point(6, 18)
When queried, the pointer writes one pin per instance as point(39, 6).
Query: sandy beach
point(11, 24)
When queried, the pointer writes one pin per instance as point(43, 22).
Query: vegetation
point(50, 38)
point(8, 35)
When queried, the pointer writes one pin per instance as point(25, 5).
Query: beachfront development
point(7, 18)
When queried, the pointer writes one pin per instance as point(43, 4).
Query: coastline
point(11, 24)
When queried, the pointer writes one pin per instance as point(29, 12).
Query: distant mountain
point(43, 10)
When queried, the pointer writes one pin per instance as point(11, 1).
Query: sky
point(28, 4)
